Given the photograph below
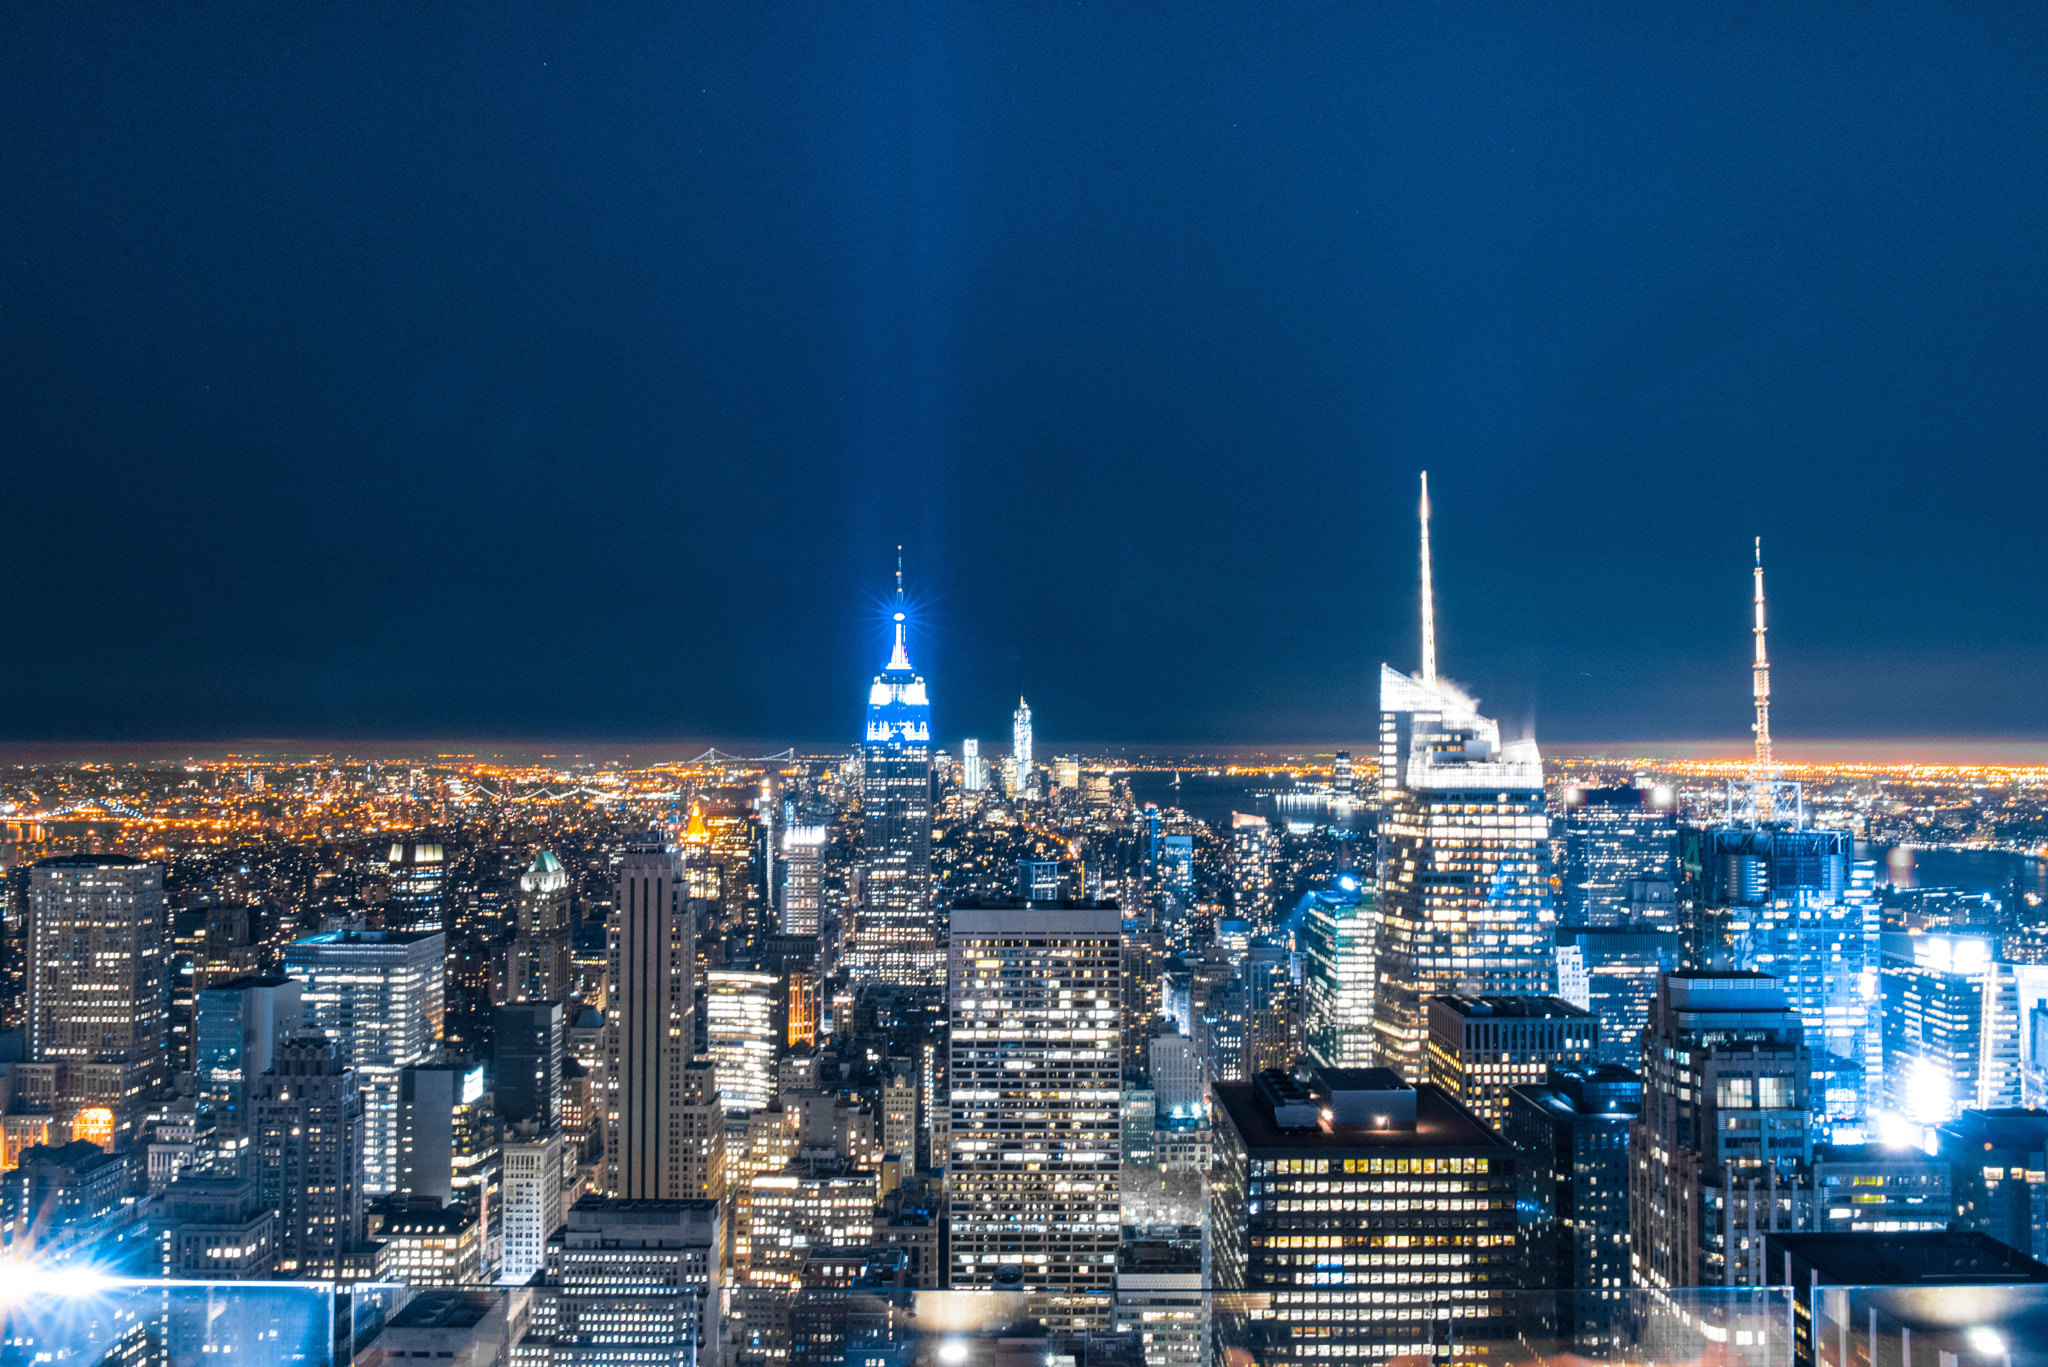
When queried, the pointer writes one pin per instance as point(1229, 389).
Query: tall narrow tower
point(1464, 868)
point(1020, 744)
point(1761, 674)
point(896, 936)
point(664, 1128)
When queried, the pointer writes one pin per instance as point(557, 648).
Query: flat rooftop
point(1440, 1123)
point(1935, 1258)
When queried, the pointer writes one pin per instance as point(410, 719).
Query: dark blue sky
point(439, 369)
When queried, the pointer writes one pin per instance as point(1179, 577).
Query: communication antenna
point(1761, 673)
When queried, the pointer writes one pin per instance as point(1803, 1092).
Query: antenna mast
point(1429, 598)
point(1761, 673)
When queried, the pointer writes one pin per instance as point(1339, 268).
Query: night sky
point(521, 371)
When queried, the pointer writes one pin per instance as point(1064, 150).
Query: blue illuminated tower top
point(899, 713)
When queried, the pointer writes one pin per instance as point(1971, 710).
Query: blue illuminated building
point(1620, 856)
point(896, 937)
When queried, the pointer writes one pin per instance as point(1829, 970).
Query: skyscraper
point(1338, 940)
point(1355, 1210)
point(803, 878)
point(96, 993)
point(238, 1026)
point(527, 1050)
point(665, 1131)
point(307, 1124)
point(1343, 780)
point(973, 772)
point(417, 870)
point(895, 932)
point(1778, 896)
point(1620, 856)
point(1034, 1001)
point(1251, 867)
point(1722, 1149)
point(1479, 1047)
point(1464, 864)
point(538, 968)
point(379, 996)
point(740, 1029)
point(1020, 745)
point(1570, 1133)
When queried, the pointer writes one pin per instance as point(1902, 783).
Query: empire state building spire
point(899, 658)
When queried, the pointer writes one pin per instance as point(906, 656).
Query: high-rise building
point(417, 871)
point(1999, 1170)
point(1620, 860)
point(238, 1025)
point(1251, 867)
point(1343, 781)
point(1351, 1210)
point(629, 1283)
point(532, 1199)
point(308, 1131)
point(96, 993)
point(1480, 1047)
point(1464, 866)
point(449, 1150)
point(1951, 1025)
point(1721, 1154)
point(379, 995)
point(527, 1052)
point(665, 1128)
point(1034, 1000)
point(1570, 1136)
point(1020, 746)
point(896, 935)
point(803, 879)
point(538, 961)
point(1338, 941)
point(973, 769)
point(741, 1028)
point(1621, 967)
point(1464, 852)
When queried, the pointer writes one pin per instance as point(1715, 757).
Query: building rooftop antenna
point(1761, 675)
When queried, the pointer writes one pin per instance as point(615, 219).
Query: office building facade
point(665, 1129)
point(1619, 860)
point(380, 996)
point(803, 879)
point(97, 1005)
point(1480, 1047)
point(1354, 1209)
point(537, 964)
point(1464, 866)
point(1722, 1154)
point(309, 1140)
point(237, 1026)
point(1570, 1137)
point(1034, 996)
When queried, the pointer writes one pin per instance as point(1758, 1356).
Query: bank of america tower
point(1464, 876)
point(896, 936)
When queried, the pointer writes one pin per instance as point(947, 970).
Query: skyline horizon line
point(1954, 751)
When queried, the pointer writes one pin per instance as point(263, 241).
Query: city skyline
point(378, 395)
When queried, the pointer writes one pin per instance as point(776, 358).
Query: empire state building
point(896, 936)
